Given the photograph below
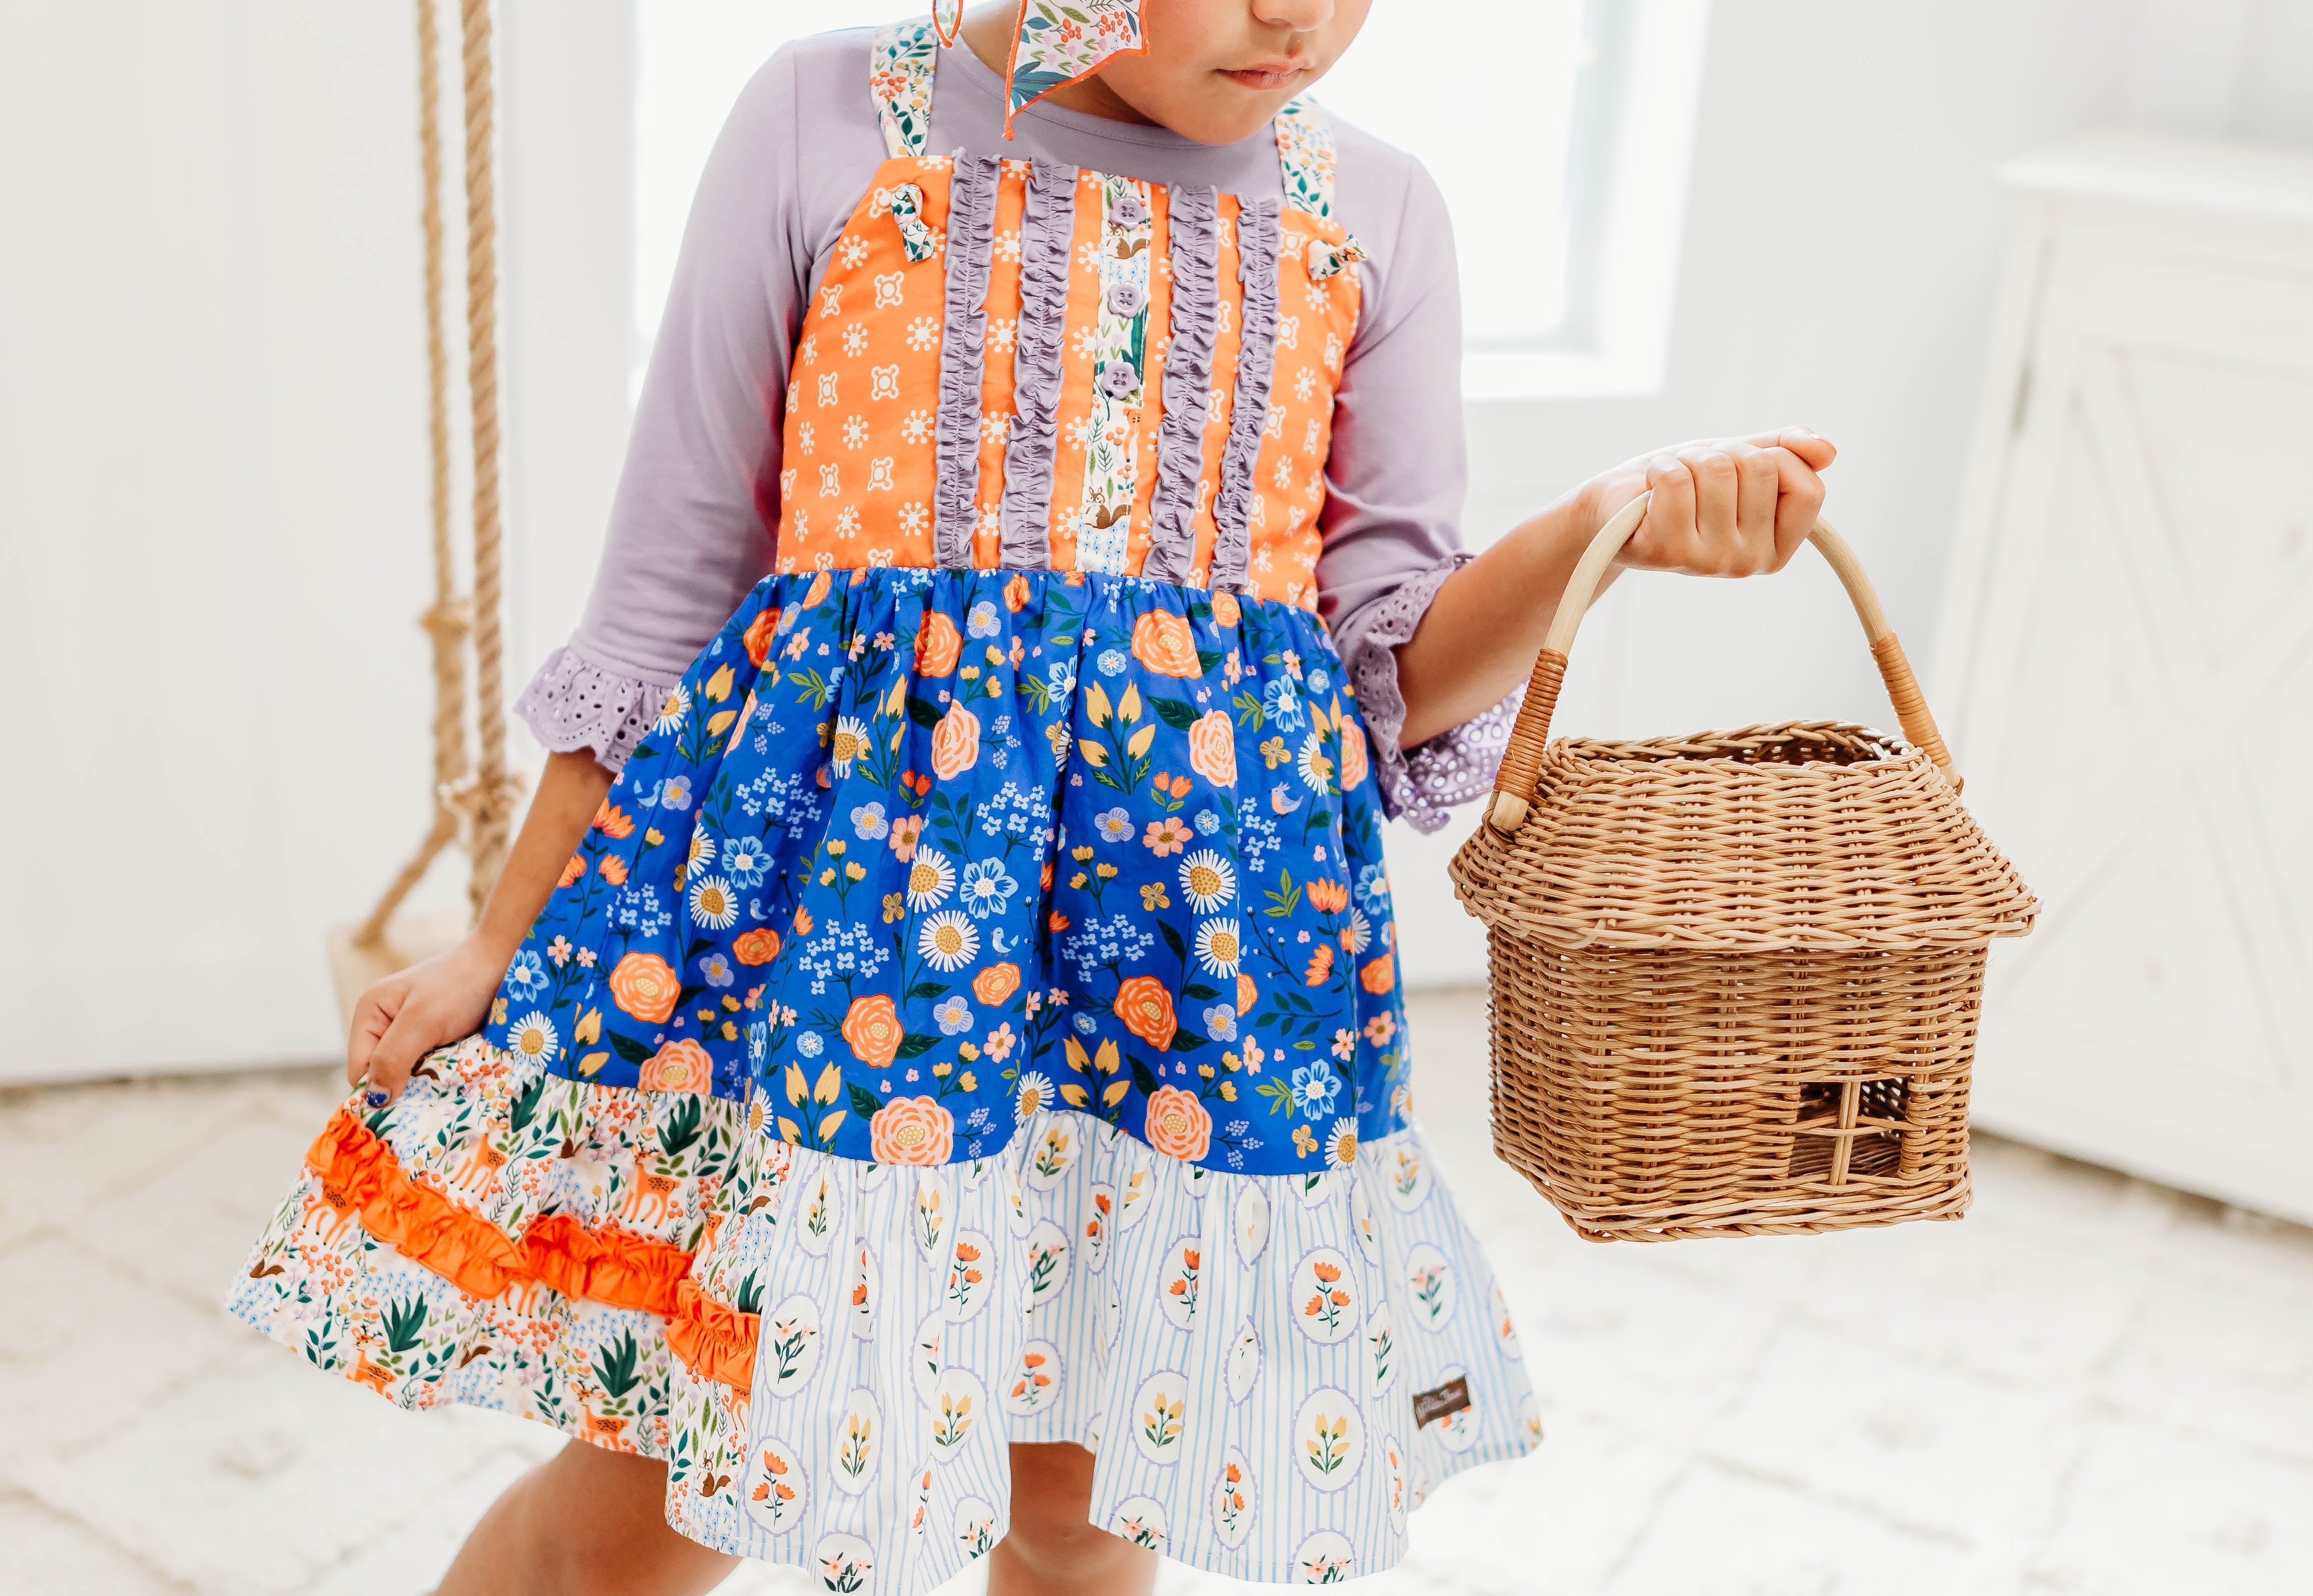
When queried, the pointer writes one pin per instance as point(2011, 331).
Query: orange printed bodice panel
point(981, 378)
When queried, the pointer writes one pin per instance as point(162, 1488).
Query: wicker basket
point(1734, 977)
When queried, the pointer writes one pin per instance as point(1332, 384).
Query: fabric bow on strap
point(1053, 44)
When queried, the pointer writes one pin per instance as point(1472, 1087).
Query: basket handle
point(1521, 766)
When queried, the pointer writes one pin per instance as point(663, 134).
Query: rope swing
point(475, 797)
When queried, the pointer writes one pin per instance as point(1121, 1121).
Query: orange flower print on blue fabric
point(947, 833)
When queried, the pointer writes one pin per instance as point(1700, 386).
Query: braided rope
point(449, 620)
point(489, 802)
point(480, 803)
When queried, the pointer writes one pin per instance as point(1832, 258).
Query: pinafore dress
point(971, 1017)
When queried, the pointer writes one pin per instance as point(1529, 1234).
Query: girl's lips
point(1269, 76)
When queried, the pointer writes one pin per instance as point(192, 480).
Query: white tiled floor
point(2091, 1386)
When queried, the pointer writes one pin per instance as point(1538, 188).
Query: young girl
point(931, 1080)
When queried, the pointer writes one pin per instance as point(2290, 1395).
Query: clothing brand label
point(1439, 1401)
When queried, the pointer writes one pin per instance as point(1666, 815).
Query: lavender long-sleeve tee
point(693, 524)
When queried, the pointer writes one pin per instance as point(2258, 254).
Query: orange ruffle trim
point(610, 1265)
point(714, 1341)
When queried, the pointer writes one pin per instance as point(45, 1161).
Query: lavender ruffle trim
point(570, 704)
point(970, 244)
point(1418, 785)
point(1047, 230)
point(1188, 374)
point(1257, 244)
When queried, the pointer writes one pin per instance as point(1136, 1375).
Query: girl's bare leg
point(590, 1522)
point(1052, 1549)
point(586, 1523)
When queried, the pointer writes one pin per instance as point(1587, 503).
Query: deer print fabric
point(501, 1236)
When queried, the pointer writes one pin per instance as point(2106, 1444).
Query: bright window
point(1535, 118)
point(1560, 133)
point(1502, 158)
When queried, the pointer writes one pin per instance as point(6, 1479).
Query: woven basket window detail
point(1866, 1114)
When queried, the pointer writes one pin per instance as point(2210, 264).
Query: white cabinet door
point(2135, 711)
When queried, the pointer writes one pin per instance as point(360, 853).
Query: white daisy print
point(948, 940)
point(1035, 1092)
point(849, 741)
point(712, 903)
point(1316, 766)
point(1219, 946)
point(1359, 935)
point(1342, 1144)
point(1208, 879)
point(931, 877)
point(677, 706)
point(532, 1036)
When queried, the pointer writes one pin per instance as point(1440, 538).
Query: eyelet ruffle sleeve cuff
point(1419, 784)
point(571, 704)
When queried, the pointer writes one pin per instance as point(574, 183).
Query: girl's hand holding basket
point(1720, 507)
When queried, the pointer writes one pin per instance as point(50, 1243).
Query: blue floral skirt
point(956, 938)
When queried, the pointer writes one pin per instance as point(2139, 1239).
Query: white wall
point(569, 180)
point(213, 490)
point(211, 469)
point(1840, 249)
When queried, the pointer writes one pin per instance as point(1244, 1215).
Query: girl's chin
point(1223, 118)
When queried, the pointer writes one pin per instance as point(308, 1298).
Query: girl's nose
point(1302, 16)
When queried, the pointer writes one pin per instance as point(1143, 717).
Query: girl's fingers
point(1817, 452)
point(1731, 506)
point(1758, 487)
point(1799, 503)
point(372, 1017)
point(396, 1055)
point(1669, 531)
point(1716, 511)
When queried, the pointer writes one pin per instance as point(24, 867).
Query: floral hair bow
point(1054, 43)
